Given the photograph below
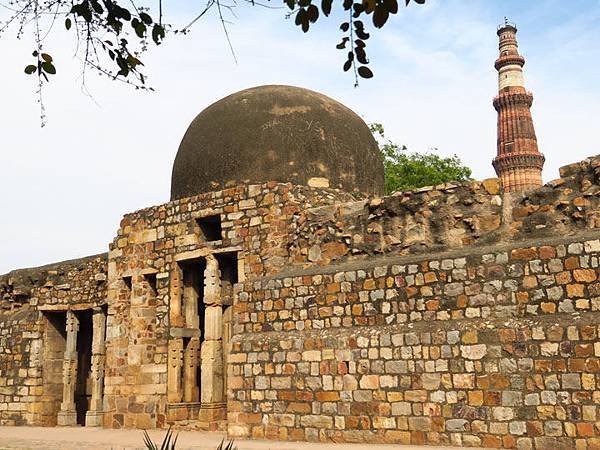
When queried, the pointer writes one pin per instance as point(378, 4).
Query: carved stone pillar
point(175, 316)
point(68, 412)
point(211, 397)
point(190, 371)
point(174, 385)
point(191, 279)
point(94, 415)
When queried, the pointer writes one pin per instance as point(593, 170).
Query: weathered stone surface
point(340, 148)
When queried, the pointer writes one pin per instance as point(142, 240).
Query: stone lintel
point(205, 251)
point(144, 271)
point(200, 253)
point(68, 307)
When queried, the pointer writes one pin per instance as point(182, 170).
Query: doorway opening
point(83, 387)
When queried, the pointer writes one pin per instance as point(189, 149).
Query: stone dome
point(277, 133)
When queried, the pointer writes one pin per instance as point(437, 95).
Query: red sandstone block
point(492, 441)
point(563, 277)
point(492, 398)
point(583, 350)
point(509, 441)
point(304, 396)
point(524, 253)
point(575, 290)
point(547, 252)
point(592, 365)
point(499, 381)
point(250, 418)
point(577, 365)
point(327, 396)
point(299, 407)
point(585, 275)
point(585, 429)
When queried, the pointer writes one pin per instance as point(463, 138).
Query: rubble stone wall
point(24, 294)
point(498, 348)
point(449, 315)
point(78, 282)
point(448, 216)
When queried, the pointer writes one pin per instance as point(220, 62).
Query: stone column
point(190, 371)
point(191, 280)
point(174, 387)
point(94, 416)
point(68, 413)
point(175, 316)
point(211, 355)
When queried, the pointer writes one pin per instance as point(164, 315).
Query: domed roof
point(277, 133)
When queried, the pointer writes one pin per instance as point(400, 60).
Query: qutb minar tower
point(518, 162)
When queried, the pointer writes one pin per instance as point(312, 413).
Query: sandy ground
point(77, 438)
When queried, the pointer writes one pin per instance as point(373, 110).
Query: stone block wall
point(25, 296)
point(495, 348)
point(20, 367)
point(150, 244)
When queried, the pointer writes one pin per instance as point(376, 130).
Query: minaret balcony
point(506, 60)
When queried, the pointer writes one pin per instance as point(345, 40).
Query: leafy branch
point(112, 35)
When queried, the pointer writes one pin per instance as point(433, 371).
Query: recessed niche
point(210, 227)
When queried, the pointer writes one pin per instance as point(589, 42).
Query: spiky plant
point(228, 446)
point(168, 442)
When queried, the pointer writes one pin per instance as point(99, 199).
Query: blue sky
point(66, 186)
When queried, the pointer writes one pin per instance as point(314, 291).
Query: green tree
point(410, 170)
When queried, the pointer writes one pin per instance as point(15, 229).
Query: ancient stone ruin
point(278, 295)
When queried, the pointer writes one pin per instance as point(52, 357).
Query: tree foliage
point(410, 170)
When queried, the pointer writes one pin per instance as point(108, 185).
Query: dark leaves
point(146, 18)
point(312, 13)
point(48, 67)
point(68, 23)
point(158, 33)
point(391, 6)
point(30, 69)
point(361, 55)
point(342, 44)
point(139, 27)
point(365, 72)
point(97, 7)
point(326, 6)
point(380, 16)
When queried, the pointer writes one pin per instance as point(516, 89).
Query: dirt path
point(34, 438)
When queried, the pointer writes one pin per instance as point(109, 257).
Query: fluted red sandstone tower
point(518, 162)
